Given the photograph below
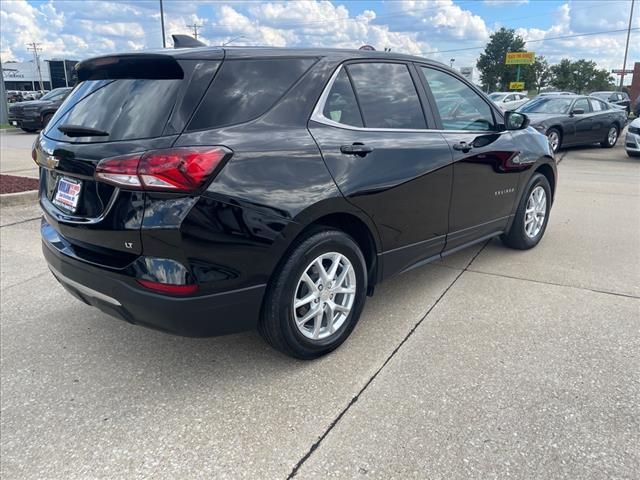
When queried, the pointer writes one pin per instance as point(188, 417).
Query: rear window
point(245, 89)
point(127, 109)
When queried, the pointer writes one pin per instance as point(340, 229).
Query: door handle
point(359, 149)
point(462, 147)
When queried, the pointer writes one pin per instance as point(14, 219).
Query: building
point(25, 75)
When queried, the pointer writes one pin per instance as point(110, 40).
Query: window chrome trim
point(318, 116)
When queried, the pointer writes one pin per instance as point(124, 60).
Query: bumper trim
point(90, 292)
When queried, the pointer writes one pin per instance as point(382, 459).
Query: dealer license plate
point(68, 194)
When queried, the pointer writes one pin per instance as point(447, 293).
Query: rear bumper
point(120, 296)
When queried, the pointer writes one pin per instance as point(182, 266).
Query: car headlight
point(635, 130)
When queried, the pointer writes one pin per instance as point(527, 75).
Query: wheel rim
point(324, 296)
point(536, 212)
point(554, 140)
point(613, 135)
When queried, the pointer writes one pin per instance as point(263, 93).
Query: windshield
point(497, 96)
point(547, 105)
point(55, 94)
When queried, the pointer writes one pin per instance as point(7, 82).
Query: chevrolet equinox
point(205, 191)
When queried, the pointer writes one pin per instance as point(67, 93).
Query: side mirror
point(577, 111)
point(515, 121)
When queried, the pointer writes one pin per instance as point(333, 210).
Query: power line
point(588, 34)
point(195, 27)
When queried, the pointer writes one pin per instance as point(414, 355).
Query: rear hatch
point(123, 105)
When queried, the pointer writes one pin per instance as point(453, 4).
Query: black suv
point(33, 115)
point(621, 99)
point(207, 191)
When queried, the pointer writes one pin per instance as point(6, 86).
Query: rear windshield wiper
point(80, 131)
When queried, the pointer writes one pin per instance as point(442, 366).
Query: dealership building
point(25, 75)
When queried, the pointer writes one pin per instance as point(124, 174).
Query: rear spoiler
point(152, 66)
point(185, 41)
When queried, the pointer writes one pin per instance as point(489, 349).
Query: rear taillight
point(183, 169)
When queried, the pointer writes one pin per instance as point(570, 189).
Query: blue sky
point(78, 29)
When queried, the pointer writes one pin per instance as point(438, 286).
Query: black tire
point(516, 237)
point(559, 134)
point(633, 154)
point(606, 143)
point(277, 322)
point(28, 130)
point(46, 119)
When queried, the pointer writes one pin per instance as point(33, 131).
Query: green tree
point(580, 76)
point(494, 73)
point(601, 80)
point(538, 75)
point(562, 75)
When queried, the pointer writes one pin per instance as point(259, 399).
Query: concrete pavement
point(15, 153)
point(521, 364)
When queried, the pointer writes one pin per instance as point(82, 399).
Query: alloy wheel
point(535, 212)
point(612, 136)
point(554, 140)
point(324, 296)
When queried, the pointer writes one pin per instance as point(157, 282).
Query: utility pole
point(195, 27)
point(35, 48)
point(164, 37)
point(626, 49)
point(4, 109)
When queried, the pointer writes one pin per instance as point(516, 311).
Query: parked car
point(575, 120)
point(507, 101)
point(637, 107)
point(207, 191)
point(546, 94)
point(33, 115)
point(14, 96)
point(616, 98)
point(632, 140)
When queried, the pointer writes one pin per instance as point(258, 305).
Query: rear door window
point(126, 109)
point(597, 105)
point(341, 105)
point(387, 95)
point(245, 89)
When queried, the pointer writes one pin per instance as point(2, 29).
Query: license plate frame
point(68, 198)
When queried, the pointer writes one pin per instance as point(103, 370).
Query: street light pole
point(626, 49)
point(164, 37)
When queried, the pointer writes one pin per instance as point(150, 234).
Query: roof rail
point(185, 41)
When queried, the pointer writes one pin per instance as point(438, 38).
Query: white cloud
point(78, 29)
point(504, 3)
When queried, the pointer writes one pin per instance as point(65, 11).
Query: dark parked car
point(616, 98)
point(575, 120)
point(207, 191)
point(33, 115)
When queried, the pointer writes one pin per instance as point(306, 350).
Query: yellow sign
point(516, 85)
point(520, 58)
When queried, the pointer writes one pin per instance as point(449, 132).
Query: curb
point(20, 198)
